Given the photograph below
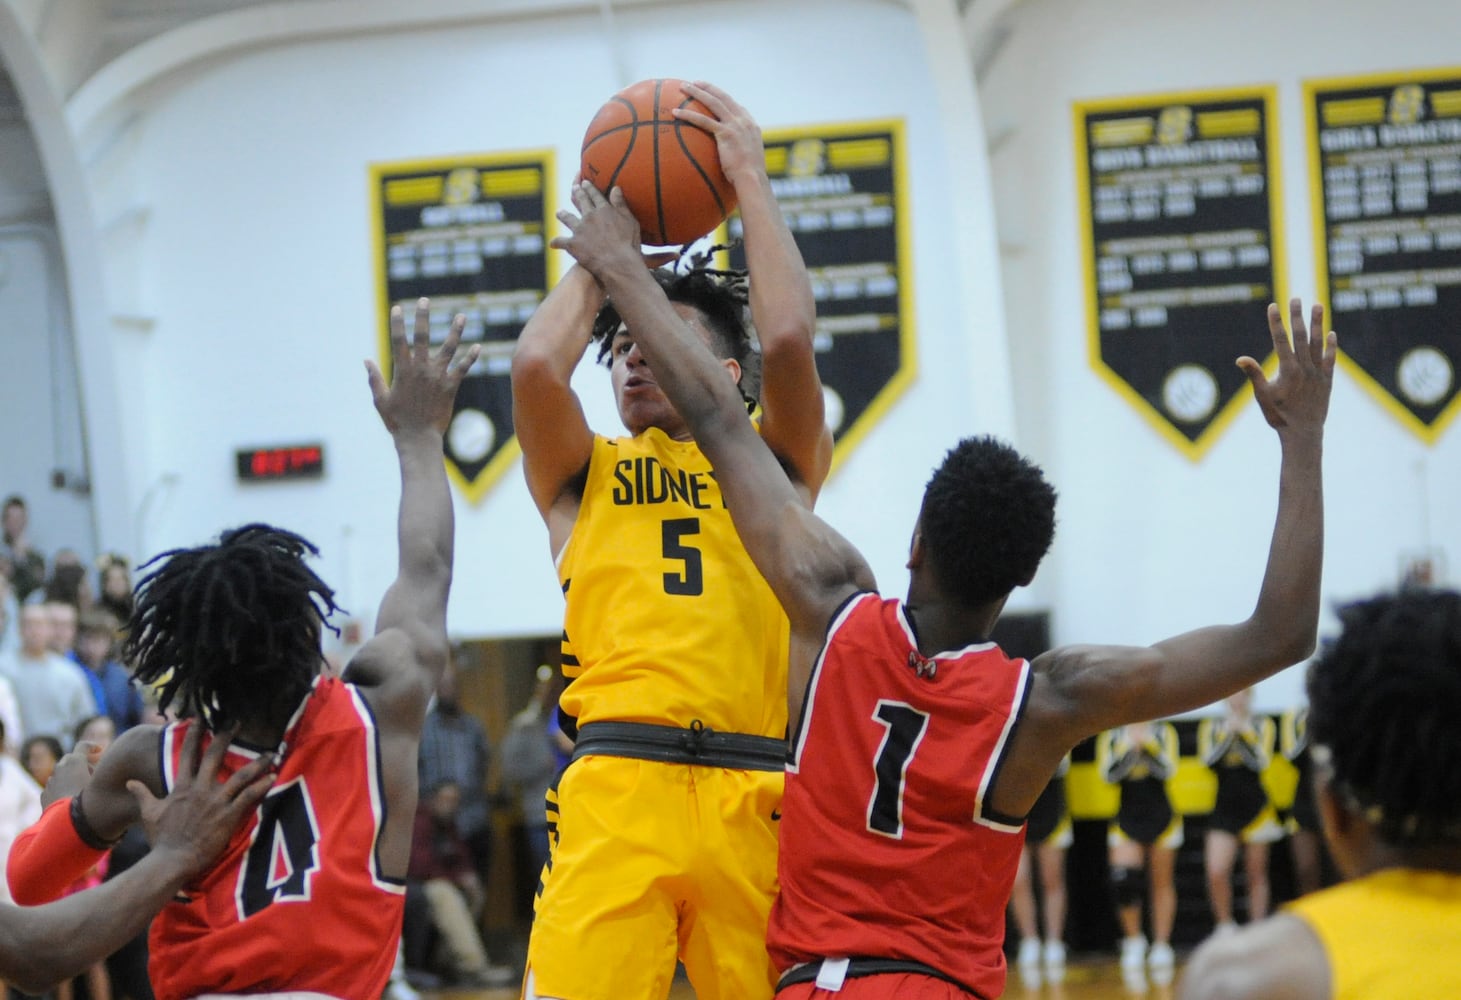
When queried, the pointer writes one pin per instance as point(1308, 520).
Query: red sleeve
point(48, 856)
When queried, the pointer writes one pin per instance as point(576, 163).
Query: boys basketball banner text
point(1182, 245)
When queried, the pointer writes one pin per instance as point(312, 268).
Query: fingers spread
point(1281, 345)
point(250, 796)
point(255, 769)
point(376, 379)
point(421, 339)
point(398, 335)
point(708, 94)
point(465, 363)
point(188, 759)
point(692, 117)
point(453, 338)
point(1316, 334)
point(217, 750)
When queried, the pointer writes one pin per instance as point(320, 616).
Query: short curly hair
point(988, 519)
point(1384, 700)
point(722, 297)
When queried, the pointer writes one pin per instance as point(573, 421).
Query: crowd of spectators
point(61, 682)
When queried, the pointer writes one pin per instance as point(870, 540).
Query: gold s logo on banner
point(471, 234)
point(1385, 186)
point(843, 191)
point(1182, 247)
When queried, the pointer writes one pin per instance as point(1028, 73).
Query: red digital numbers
point(292, 462)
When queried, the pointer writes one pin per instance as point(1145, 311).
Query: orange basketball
point(669, 170)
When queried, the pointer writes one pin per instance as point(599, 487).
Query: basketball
point(669, 170)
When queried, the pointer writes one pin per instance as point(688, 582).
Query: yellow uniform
point(1391, 935)
point(1144, 814)
point(1239, 758)
point(669, 624)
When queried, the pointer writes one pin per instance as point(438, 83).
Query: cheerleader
point(1238, 747)
point(1142, 841)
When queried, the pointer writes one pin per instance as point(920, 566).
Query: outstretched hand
point(194, 823)
point(737, 136)
point(1298, 398)
point(423, 385)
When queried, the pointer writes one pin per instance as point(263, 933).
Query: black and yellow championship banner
point(843, 191)
point(1180, 214)
point(470, 233)
point(1385, 157)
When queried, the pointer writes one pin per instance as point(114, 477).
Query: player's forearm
point(425, 521)
point(553, 340)
point(1286, 617)
point(45, 945)
point(781, 292)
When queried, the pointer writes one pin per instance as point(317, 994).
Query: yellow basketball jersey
point(1392, 935)
point(667, 620)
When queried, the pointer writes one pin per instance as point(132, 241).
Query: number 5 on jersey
point(689, 580)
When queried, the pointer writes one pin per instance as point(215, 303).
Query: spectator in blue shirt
point(111, 683)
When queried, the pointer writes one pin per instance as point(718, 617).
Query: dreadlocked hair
point(230, 632)
point(988, 519)
point(721, 296)
point(1384, 698)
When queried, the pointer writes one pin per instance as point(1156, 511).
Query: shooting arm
point(783, 310)
point(547, 415)
point(794, 422)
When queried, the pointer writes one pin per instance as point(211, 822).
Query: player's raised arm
point(408, 653)
point(44, 945)
point(810, 567)
point(546, 413)
point(793, 420)
point(1082, 690)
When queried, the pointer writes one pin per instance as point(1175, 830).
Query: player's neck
point(1433, 857)
point(939, 626)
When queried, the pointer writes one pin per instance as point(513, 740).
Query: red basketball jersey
point(297, 901)
point(888, 848)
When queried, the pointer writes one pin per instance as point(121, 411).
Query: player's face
point(642, 404)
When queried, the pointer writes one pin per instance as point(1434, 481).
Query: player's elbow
point(790, 332)
point(1281, 641)
point(533, 365)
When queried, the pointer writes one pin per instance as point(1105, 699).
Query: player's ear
point(915, 549)
point(734, 367)
point(1335, 815)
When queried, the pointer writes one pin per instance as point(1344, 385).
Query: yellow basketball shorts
point(653, 862)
